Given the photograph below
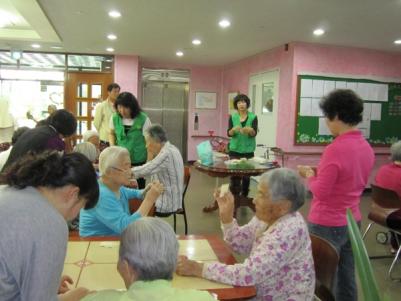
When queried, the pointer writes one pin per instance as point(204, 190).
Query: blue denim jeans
point(344, 284)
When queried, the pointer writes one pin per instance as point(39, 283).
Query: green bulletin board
point(382, 106)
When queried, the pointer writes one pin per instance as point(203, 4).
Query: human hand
point(74, 294)
point(226, 206)
point(156, 189)
point(64, 281)
point(187, 267)
point(305, 171)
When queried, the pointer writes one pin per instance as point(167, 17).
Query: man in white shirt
point(103, 113)
point(165, 165)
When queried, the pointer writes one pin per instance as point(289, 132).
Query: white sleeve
point(111, 123)
point(146, 125)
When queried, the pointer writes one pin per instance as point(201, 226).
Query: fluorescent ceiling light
point(318, 32)
point(114, 14)
point(56, 47)
point(196, 42)
point(179, 53)
point(35, 46)
point(112, 36)
point(6, 18)
point(397, 42)
point(224, 23)
point(110, 49)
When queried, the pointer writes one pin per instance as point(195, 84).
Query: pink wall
point(126, 72)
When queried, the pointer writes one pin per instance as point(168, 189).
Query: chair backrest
point(385, 198)
point(187, 177)
point(326, 259)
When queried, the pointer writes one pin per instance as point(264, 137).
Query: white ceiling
point(155, 29)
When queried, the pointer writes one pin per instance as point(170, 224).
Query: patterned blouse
point(279, 265)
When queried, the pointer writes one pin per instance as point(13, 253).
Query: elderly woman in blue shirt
point(111, 215)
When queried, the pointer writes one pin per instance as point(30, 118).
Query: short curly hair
point(241, 97)
point(128, 100)
point(343, 103)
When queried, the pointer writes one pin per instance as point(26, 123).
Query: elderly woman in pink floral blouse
point(276, 240)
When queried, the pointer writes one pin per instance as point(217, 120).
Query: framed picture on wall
point(267, 97)
point(205, 100)
point(231, 96)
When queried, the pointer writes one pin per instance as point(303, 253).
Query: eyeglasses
point(122, 170)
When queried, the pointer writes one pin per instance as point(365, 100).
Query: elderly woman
point(41, 192)
point(87, 149)
point(147, 260)
point(92, 137)
point(276, 241)
point(339, 181)
point(389, 177)
point(127, 129)
point(111, 215)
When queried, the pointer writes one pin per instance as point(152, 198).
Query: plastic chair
point(385, 202)
point(181, 211)
point(326, 260)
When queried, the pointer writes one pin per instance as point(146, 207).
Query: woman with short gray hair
point(389, 177)
point(276, 241)
point(147, 260)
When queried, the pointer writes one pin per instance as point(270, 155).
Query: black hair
point(113, 86)
point(53, 170)
point(18, 134)
point(241, 97)
point(343, 103)
point(128, 100)
point(64, 122)
point(42, 122)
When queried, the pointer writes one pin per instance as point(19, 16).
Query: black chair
point(181, 211)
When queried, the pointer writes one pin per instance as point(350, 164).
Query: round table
point(221, 170)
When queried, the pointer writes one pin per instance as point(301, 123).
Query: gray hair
point(150, 247)
point(89, 134)
point(87, 149)
point(285, 184)
point(396, 151)
point(110, 157)
point(157, 133)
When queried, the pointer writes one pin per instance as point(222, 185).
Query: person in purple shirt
point(60, 124)
point(338, 182)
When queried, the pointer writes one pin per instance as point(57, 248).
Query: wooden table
point(221, 170)
point(94, 266)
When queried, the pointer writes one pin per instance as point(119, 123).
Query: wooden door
point(84, 90)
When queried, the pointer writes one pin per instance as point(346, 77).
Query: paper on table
point(305, 108)
point(329, 85)
point(376, 111)
point(318, 86)
point(197, 249)
point(367, 109)
point(316, 111)
point(323, 129)
point(341, 85)
point(306, 88)
point(382, 93)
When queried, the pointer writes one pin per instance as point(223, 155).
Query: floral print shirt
point(279, 265)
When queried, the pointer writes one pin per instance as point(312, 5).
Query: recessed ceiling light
point(35, 46)
point(109, 60)
point(224, 23)
point(397, 42)
point(196, 42)
point(179, 53)
point(112, 36)
point(56, 47)
point(110, 49)
point(107, 67)
point(114, 14)
point(318, 32)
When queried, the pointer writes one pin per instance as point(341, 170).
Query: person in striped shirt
point(165, 164)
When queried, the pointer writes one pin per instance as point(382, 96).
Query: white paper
point(329, 85)
point(341, 85)
point(382, 93)
point(367, 109)
point(306, 88)
point(315, 108)
point(305, 108)
point(317, 86)
point(373, 93)
point(323, 129)
point(376, 113)
point(363, 90)
point(352, 86)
